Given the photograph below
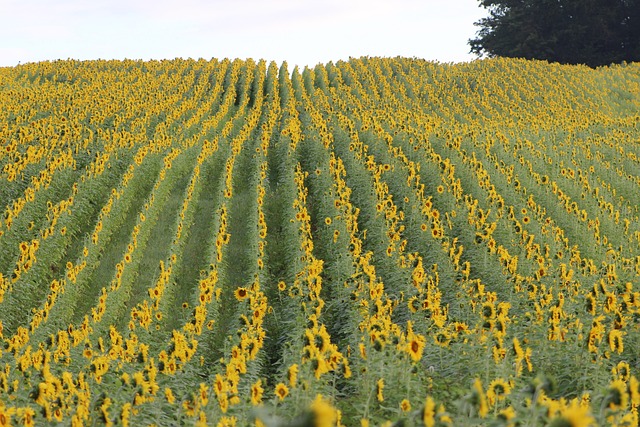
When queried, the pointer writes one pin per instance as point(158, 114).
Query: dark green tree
point(591, 32)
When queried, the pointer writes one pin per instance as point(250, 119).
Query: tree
point(591, 32)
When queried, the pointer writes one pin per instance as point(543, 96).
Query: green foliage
point(593, 32)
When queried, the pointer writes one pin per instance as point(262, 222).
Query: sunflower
point(615, 341)
point(256, 393)
point(241, 294)
point(27, 415)
point(282, 286)
point(415, 343)
point(346, 370)
point(363, 351)
point(622, 371)
point(57, 414)
point(429, 412)
point(573, 415)
point(405, 405)
point(479, 399)
point(281, 391)
point(220, 385)
point(488, 310)
point(591, 304)
point(517, 349)
point(498, 390)
point(413, 304)
point(223, 402)
point(442, 338)
point(292, 374)
point(380, 389)
point(507, 414)
point(617, 396)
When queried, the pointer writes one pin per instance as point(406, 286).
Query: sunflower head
point(281, 391)
point(241, 294)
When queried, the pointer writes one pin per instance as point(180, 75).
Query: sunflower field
point(379, 241)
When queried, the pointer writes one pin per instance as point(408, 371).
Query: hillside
point(380, 239)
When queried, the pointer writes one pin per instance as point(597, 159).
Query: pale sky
point(302, 32)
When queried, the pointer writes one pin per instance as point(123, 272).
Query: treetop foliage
point(591, 32)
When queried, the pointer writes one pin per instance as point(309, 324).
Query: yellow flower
point(293, 375)
point(227, 422)
point(256, 393)
point(241, 294)
point(498, 390)
point(414, 304)
point(281, 391)
point(429, 412)
point(104, 409)
point(202, 420)
point(573, 415)
point(622, 371)
point(168, 394)
point(223, 401)
point(220, 385)
point(415, 343)
point(5, 415)
point(324, 415)
point(363, 351)
point(26, 415)
point(415, 346)
point(125, 414)
point(478, 399)
point(405, 405)
point(617, 396)
point(488, 310)
point(615, 341)
point(507, 413)
point(379, 390)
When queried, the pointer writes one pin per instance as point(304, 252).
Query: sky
point(302, 32)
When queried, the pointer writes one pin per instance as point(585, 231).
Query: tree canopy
point(591, 32)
